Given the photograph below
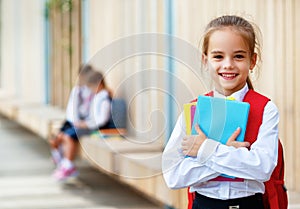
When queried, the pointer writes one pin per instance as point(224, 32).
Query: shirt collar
point(238, 95)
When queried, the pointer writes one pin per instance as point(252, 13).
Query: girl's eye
point(239, 56)
point(217, 56)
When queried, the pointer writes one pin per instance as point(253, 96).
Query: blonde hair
point(240, 25)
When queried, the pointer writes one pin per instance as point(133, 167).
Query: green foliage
point(62, 5)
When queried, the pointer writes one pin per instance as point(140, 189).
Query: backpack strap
point(257, 105)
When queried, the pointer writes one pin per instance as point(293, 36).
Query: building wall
point(22, 52)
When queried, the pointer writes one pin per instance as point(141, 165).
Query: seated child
point(98, 117)
point(77, 109)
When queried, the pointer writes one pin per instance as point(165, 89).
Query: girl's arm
point(71, 110)
point(99, 112)
point(214, 158)
point(257, 163)
point(178, 170)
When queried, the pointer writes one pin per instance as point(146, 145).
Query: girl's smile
point(228, 76)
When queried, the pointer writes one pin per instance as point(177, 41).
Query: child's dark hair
point(85, 69)
point(83, 73)
point(240, 25)
point(96, 78)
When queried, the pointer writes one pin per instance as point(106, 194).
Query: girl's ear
point(204, 59)
point(253, 61)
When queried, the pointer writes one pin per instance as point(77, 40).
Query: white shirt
point(255, 166)
point(99, 111)
point(73, 109)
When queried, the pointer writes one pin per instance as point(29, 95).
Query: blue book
point(218, 118)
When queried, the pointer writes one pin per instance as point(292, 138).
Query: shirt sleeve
point(71, 110)
point(257, 163)
point(180, 171)
point(99, 113)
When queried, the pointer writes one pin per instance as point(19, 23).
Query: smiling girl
point(229, 52)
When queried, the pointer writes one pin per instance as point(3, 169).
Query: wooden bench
point(135, 164)
point(10, 106)
point(103, 152)
point(129, 160)
point(40, 119)
point(143, 172)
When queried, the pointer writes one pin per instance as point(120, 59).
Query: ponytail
point(250, 85)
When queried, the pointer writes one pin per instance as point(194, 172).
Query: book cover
point(218, 118)
point(189, 111)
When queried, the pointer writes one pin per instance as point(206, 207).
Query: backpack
point(118, 114)
point(275, 196)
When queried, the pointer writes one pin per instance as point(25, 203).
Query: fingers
point(198, 130)
point(190, 145)
point(185, 145)
point(232, 140)
point(241, 144)
point(234, 135)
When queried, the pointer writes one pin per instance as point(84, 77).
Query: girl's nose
point(228, 63)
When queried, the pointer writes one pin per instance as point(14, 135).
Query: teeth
point(228, 75)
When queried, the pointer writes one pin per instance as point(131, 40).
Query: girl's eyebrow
point(240, 51)
point(235, 52)
point(216, 52)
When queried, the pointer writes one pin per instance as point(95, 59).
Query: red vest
point(275, 196)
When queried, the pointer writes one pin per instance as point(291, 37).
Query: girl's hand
point(80, 124)
point(191, 144)
point(232, 140)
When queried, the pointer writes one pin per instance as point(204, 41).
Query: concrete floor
point(26, 182)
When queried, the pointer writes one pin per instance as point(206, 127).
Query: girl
point(99, 117)
point(229, 52)
point(77, 109)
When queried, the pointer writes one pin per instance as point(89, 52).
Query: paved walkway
point(26, 182)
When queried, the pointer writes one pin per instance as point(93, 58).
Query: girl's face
point(228, 60)
point(95, 88)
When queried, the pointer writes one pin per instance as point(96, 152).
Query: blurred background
point(43, 43)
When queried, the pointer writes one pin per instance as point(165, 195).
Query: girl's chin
point(225, 89)
point(227, 84)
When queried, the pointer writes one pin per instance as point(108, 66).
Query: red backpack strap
point(257, 105)
point(211, 94)
point(191, 198)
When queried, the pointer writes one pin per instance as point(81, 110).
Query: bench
point(104, 152)
point(120, 157)
point(10, 106)
point(135, 164)
point(41, 119)
point(142, 171)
